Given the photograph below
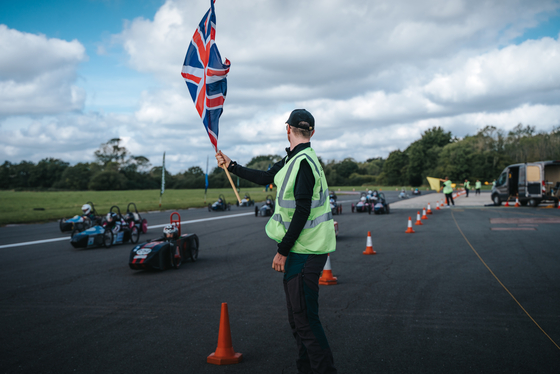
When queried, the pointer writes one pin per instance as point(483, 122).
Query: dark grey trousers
point(301, 285)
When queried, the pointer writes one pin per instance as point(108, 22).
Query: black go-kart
point(162, 253)
point(362, 206)
point(221, 204)
point(80, 223)
point(417, 192)
point(246, 201)
point(107, 234)
point(133, 218)
point(267, 209)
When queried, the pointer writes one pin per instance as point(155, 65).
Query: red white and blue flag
point(205, 74)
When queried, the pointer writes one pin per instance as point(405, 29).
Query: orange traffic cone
point(409, 230)
point(418, 222)
point(507, 202)
point(516, 202)
point(437, 205)
point(224, 354)
point(424, 216)
point(369, 246)
point(327, 278)
point(429, 211)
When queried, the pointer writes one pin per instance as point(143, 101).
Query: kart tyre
point(256, 211)
point(340, 209)
point(387, 209)
point(237, 203)
point(229, 206)
point(134, 235)
point(534, 203)
point(144, 226)
point(107, 238)
point(193, 249)
point(353, 208)
point(209, 207)
point(61, 223)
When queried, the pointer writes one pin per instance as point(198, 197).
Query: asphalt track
point(474, 290)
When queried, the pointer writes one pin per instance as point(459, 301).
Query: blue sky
point(376, 74)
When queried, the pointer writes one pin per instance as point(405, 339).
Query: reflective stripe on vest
point(309, 224)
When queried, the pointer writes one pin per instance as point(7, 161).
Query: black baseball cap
point(301, 115)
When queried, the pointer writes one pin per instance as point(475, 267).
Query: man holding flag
point(303, 227)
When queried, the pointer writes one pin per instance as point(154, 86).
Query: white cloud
point(374, 74)
point(37, 74)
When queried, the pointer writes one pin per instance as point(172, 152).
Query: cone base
point(418, 223)
point(429, 212)
point(369, 251)
point(235, 359)
point(328, 282)
point(409, 231)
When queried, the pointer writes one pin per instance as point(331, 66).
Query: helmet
point(86, 208)
point(370, 192)
point(111, 217)
point(363, 198)
point(169, 229)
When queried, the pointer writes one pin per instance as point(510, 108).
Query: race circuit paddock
point(472, 291)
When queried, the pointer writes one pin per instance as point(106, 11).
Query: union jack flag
point(205, 74)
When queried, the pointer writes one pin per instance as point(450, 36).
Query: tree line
point(437, 154)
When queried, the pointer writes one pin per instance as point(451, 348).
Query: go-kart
point(380, 204)
point(162, 253)
point(133, 218)
point(267, 209)
point(403, 194)
point(107, 234)
point(417, 192)
point(363, 205)
point(246, 201)
point(221, 204)
point(335, 208)
point(335, 228)
point(80, 223)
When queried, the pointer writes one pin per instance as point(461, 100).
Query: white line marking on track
point(149, 227)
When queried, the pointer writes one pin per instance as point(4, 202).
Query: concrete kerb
point(422, 201)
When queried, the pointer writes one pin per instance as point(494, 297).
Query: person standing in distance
point(477, 186)
point(448, 191)
point(303, 227)
point(467, 185)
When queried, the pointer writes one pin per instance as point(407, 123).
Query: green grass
point(18, 207)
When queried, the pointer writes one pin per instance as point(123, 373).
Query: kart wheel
point(144, 226)
point(107, 238)
point(237, 203)
point(256, 211)
point(194, 249)
point(134, 235)
point(340, 209)
point(353, 208)
point(209, 207)
point(387, 210)
point(229, 206)
point(61, 223)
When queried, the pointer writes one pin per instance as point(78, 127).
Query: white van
point(532, 183)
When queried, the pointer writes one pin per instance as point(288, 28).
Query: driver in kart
point(171, 234)
point(113, 222)
point(88, 213)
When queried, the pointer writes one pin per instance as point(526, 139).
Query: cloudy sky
point(374, 73)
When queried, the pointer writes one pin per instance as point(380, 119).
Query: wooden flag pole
point(230, 181)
